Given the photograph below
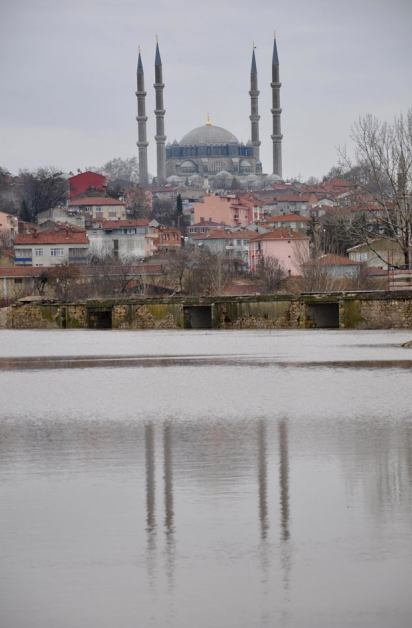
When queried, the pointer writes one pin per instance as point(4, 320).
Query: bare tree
point(114, 276)
point(6, 239)
point(223, 180)
point(164, 211)
point(271, 273)
point(62, 279)
point(117, 168)
point(42, 189)
point(138, 202)
point(382, 179)
point(177, 266)
point(210, 273)
point(314, 274)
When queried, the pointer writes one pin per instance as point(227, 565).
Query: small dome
point(251, 177)
point(175, 143)
point(195, 179)
point(249, 143)
point(208, 134)
point(272, 178)
point(173, 179)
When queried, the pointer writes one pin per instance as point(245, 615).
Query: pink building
point(229, 210)
point(286, 245)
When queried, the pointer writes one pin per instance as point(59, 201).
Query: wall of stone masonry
point(388, 314)
point(147, 316)
point(33, 316)
point(356, 311)
point(258, 315)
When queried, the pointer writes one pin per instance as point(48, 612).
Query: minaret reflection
point(150, 500)
point(285, 552)
point(263, 517)
point(262, 466)
point(168, 495)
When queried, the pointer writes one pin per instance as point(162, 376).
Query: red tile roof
point(207, 223)
point(43, 237)
point(337, 260)
point(116, 224)
point(288, 218)
point(62, 227)
point(221, 234)
point(294, 198)
point(280, 234)
point(85, 271)
point(95, 200)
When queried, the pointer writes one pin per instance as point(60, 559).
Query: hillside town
point(106, 237)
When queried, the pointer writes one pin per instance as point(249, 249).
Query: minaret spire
point(276, 111)
point(141, 118)
point(160, 136)
point(254, 107)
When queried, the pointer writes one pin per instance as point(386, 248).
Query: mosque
point(209, 151)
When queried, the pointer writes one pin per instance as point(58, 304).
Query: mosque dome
point(208, 134)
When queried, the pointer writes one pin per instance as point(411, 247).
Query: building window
point(56, 252)
point(18, 280)
point(23, 252)
point(38, 252)
point(192, 229)
point(202, 229)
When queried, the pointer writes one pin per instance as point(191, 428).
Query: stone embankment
point(344, 310)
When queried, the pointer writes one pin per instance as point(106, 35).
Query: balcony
point(23, 260)
point(77, 259)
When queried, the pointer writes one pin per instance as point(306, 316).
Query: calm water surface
point(205, 479)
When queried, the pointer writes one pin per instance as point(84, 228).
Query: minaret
point(160, 136)
point(276, 111)
point(254, 108)
point(141, 118)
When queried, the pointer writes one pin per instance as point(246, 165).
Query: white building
point(51, 247)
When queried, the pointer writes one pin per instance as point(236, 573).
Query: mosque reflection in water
point(167, 432)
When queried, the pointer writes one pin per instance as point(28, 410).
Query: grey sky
point(68, 74)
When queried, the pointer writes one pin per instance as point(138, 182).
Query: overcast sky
point(68, 74)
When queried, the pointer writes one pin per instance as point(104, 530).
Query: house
point(6, 257)
point(295, 204)
point(380, 253)
point(289, 221)
point(55, 215)
point(65, 243)
point(9, 226)
point(229, 210)
point(18, 282)
point(168, 239)
point(134, 237)
point(203, 228)
point(83, 182)
point(226, 243)
point(99, 207)
point(287, 246)
point(22, 281)
point(340, 267)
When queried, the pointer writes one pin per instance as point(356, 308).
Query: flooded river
point(205, 479)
